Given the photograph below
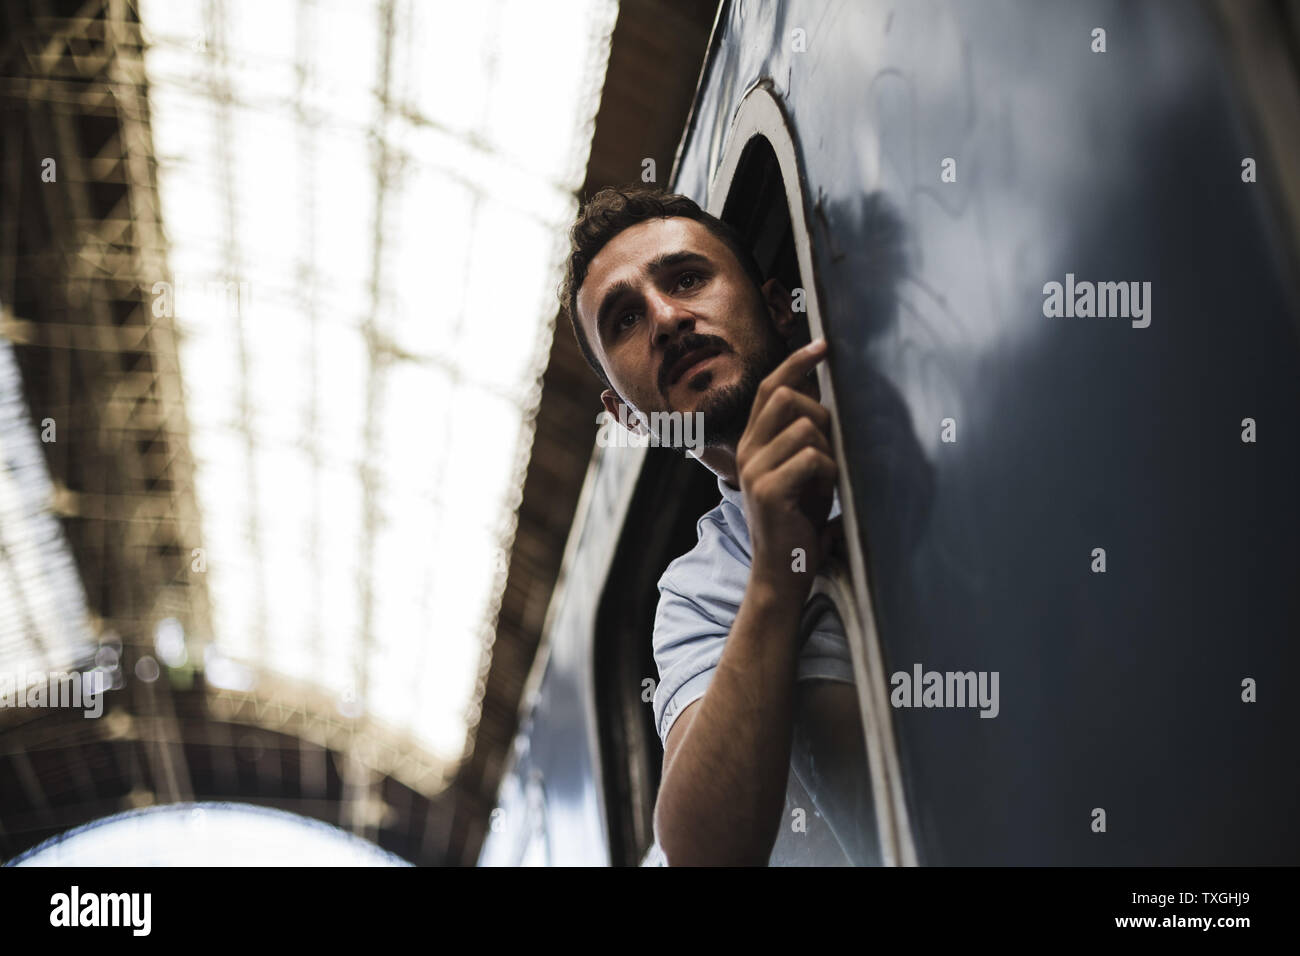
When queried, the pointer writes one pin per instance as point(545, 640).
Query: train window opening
point(830, 779)
point(671, 494)
point(757, 208)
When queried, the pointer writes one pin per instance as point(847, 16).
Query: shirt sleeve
point(699, 597)
point(688, 643)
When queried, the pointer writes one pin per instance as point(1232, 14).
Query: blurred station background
point(288, 449)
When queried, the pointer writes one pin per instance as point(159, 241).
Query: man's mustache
point(675, 353)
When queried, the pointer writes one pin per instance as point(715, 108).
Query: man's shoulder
point(699, 596)
point(719, 548)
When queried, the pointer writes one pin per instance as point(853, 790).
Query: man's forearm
point(721, 797)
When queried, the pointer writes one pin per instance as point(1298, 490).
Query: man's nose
point(668, 319)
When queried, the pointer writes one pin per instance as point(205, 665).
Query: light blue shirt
point(699, 597)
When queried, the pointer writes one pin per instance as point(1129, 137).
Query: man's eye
point(620, 324)
point(688, 276)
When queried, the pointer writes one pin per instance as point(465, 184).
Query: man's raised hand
point(787, 472)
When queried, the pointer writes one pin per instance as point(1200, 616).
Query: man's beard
point(727, 413)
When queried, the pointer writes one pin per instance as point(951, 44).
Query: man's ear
point(779, 300)
point(628, 419)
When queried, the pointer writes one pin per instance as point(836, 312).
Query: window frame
point(761, 114)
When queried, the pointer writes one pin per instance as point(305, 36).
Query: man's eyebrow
point(658, 264)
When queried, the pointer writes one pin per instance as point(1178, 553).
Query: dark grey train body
point(1062, 490)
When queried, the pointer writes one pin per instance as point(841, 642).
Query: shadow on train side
point(885, 456)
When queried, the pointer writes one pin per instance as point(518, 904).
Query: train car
point(1053, 247)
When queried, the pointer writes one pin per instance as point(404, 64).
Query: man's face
point(678, 325)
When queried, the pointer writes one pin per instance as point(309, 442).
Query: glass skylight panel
point(43, 617)
point(358, 421)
